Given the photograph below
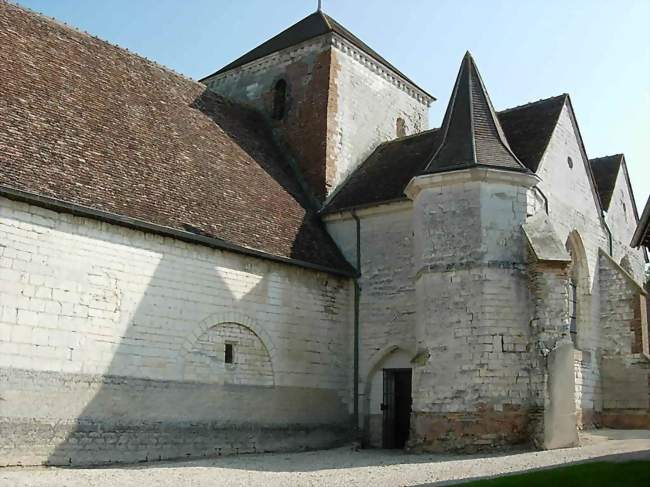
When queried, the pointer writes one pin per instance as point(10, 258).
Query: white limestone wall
point(473, 310)
point(81, 301)
point(572, 199)
point(365, 109)
point(387, 303)
point(573, 207)
point(622, 222)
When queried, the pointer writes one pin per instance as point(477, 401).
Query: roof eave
point(145, 226)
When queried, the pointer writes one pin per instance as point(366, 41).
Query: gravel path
point(339, 467)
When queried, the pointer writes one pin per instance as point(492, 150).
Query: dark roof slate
point(605, 170)
point(471, 134)
point(314, 25)
point(94, 125)
point(385, 174)
point(529, 128)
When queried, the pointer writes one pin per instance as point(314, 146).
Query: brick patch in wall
point(467, 432)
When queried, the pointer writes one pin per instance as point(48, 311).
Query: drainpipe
point(357, 296)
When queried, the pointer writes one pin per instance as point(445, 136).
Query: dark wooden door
point(396, 407)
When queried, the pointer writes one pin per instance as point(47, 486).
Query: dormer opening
point(279, 99)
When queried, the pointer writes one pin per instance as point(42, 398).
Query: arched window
point(573, 310)
point(400, 127)
point(279, 99)
point(578, 290)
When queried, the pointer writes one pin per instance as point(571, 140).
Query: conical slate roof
point(471, 132)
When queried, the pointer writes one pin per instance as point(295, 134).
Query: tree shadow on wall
point(135, 399)
point(144, 308)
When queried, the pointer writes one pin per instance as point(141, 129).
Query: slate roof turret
point(471, 134)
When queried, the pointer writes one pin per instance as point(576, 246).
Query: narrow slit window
point(573, 311)
point(279, 99)
point(229, 353)
point(400, 127)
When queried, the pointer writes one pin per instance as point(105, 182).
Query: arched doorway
point(389, 400)
point(578, 290)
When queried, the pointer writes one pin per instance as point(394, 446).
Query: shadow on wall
point(146, 377)
point(167, 391)
point(250, 131)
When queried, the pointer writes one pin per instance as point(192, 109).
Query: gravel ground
point(338, 467)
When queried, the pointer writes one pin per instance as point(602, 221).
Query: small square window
point(229, 353)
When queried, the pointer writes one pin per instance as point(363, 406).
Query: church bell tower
point(328, 97)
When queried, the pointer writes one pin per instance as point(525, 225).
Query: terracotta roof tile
point(91, 124)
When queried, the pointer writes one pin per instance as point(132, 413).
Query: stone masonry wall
point(622, 223)
point(102, 328)
point(364, 108)
point(625, 361)
point(340, 105)
point(553, 412)
point(573, 210)
point(251, 363)
point(473, 314)
point(387, 304)
point(306, 70)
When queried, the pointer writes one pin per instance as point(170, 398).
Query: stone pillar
point(552, 359)
point(472, 389)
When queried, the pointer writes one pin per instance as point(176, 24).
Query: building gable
point(565, 170)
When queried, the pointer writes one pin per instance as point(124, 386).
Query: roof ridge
point(531, 103)
point(71, 28)
point(618, 155)
point(408, 137)
point(326, 18)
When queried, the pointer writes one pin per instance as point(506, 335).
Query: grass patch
point(596, 474)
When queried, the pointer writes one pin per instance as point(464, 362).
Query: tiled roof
point(471, 134)
point(312, 26)
point(385, 174)
point(605, 170)
point(91, 124)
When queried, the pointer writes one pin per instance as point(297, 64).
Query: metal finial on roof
point(320, 6)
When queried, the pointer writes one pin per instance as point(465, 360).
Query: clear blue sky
point(598, 51)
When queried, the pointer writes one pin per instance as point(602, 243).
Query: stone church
point(285, 256)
